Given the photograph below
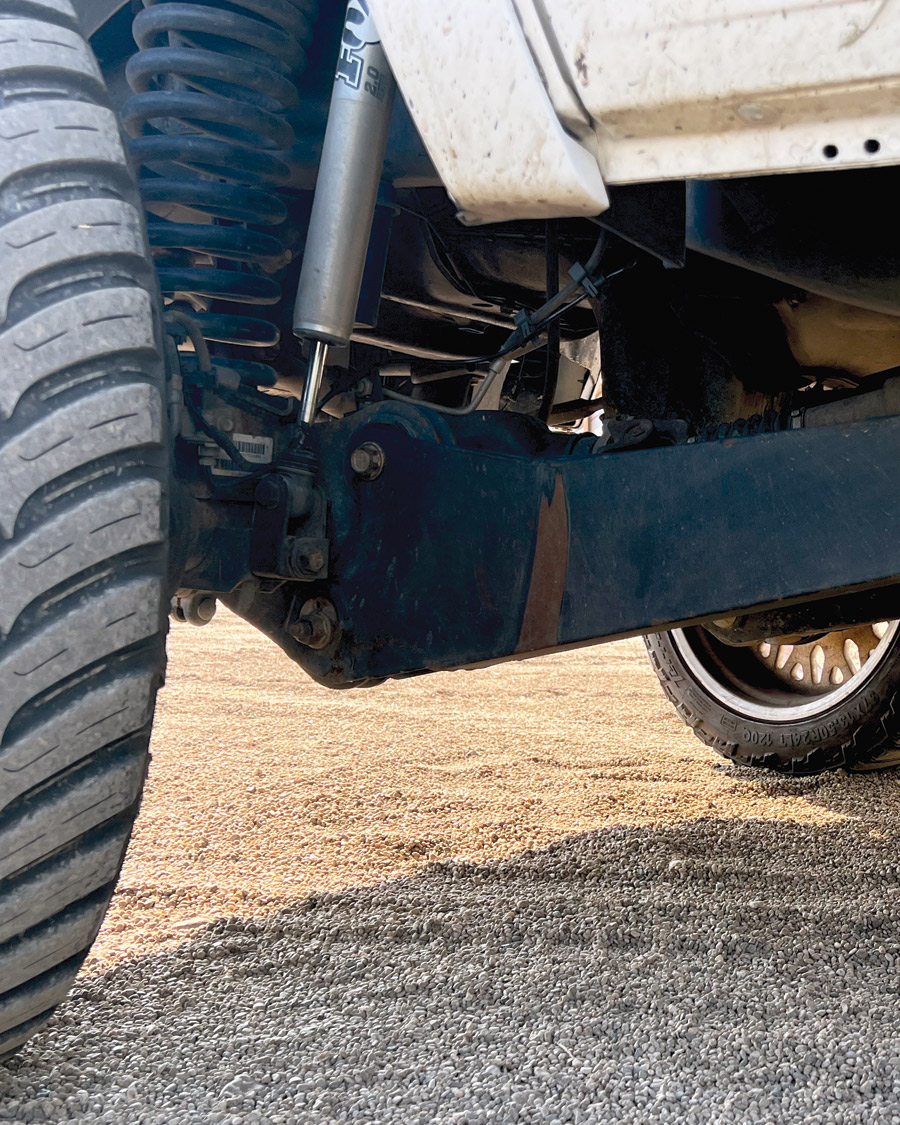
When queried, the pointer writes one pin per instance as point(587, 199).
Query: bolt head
point(206, 609)
point(305, 560)
point(302, 630)
point(367, 460)
point(267, 493)
point(315, 559)
point(316, 625)
point(194, 608)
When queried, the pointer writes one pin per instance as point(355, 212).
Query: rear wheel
point(796, 706)
point(83, 506)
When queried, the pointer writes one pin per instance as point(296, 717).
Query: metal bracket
point(288, 536)
point(483, 539)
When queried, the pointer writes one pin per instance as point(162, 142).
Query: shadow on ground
point(870, 800)
point(717, 970)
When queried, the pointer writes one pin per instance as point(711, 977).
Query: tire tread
point(860, 742)
point(83, 508)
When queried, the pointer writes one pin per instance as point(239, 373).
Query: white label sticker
point(252, 447)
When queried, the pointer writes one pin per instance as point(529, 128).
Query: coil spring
point(769, 422)
point(211, 86)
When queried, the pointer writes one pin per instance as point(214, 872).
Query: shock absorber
point(212, 83)
point(334, 258)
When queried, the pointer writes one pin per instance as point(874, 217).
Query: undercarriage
point(266, 341)
point(461, 350)
point(468, 443)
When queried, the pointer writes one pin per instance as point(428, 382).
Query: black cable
point(222, 440)
point(192, 331)
point(530, 331)
point(551, 366)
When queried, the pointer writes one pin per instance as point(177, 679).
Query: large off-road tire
point(83, 507)
point(816, 704)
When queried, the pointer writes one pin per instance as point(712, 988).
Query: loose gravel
point(531, 897)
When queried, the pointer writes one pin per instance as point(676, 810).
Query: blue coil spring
point(212, 84)
point(769, 422)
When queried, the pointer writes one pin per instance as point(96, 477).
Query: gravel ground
point(518, 894)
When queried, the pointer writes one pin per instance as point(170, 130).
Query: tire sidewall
point(849, 734)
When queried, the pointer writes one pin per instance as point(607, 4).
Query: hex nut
point(316, 625)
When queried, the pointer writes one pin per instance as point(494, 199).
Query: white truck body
point(529, 108)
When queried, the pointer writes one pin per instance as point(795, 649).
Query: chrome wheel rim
point(775, 681)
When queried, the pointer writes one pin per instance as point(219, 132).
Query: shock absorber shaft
point(346, 189)
point(318, 352)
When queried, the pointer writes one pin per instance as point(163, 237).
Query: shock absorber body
point(212, 83)
point(350, 170)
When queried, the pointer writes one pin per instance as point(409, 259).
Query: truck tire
point(83, 507)
point(816, 704)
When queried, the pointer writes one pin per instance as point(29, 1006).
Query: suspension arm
point(460, 541)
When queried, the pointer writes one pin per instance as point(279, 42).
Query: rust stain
point(540, 625)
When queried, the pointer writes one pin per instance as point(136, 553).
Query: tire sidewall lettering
point(860, 721)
